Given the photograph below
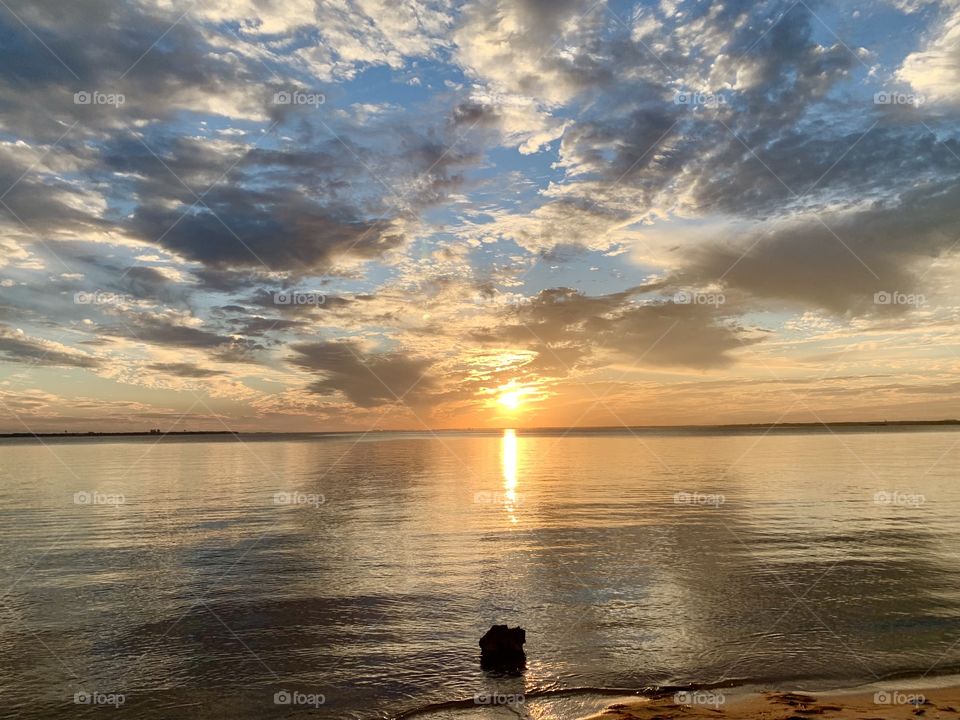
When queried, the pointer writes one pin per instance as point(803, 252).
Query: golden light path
point(508, 456)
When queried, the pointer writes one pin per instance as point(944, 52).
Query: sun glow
point(511, 400)
point(513, 397)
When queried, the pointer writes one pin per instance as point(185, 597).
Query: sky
point(306, 215)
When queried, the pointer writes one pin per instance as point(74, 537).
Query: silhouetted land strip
point(892, 424)
point(785, 425)
point(137, 433)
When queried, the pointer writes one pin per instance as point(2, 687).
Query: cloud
point(47, 60)
point(532, 48)
point(284, 232)
point(298, 209)
point(837, 261)
point(184, 370)
point(520, 122)
point(366, 379)
point(198, 197)
point(564, 323)
point(17, 346)
point(362, 33)
point(934, 70)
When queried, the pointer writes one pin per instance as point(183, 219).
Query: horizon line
point(553, 428)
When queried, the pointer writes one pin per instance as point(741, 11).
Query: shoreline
point(891, 698)
point(927, 697)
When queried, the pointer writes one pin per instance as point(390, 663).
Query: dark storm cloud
point(16, 346)
point(366, 379)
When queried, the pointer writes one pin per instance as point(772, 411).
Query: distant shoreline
point(131, 433)
point(594, 428)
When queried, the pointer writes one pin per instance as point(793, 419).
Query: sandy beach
point(873, 702)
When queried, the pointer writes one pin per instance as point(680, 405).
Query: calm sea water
point(202, 578)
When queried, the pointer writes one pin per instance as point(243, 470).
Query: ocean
point(351, 576)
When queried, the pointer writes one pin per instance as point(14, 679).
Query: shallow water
point(183, 582)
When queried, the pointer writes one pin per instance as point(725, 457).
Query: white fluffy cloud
point(934, 70)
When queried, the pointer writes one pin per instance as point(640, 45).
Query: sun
point(511, 400)
point(513, 396)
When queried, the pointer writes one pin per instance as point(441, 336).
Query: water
point(201, 596)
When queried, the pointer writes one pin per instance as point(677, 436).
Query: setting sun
point(514, 396)
point(511, 400)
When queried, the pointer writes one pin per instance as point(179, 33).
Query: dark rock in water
point(501, 648)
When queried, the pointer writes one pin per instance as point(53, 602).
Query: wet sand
point(874, 702)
